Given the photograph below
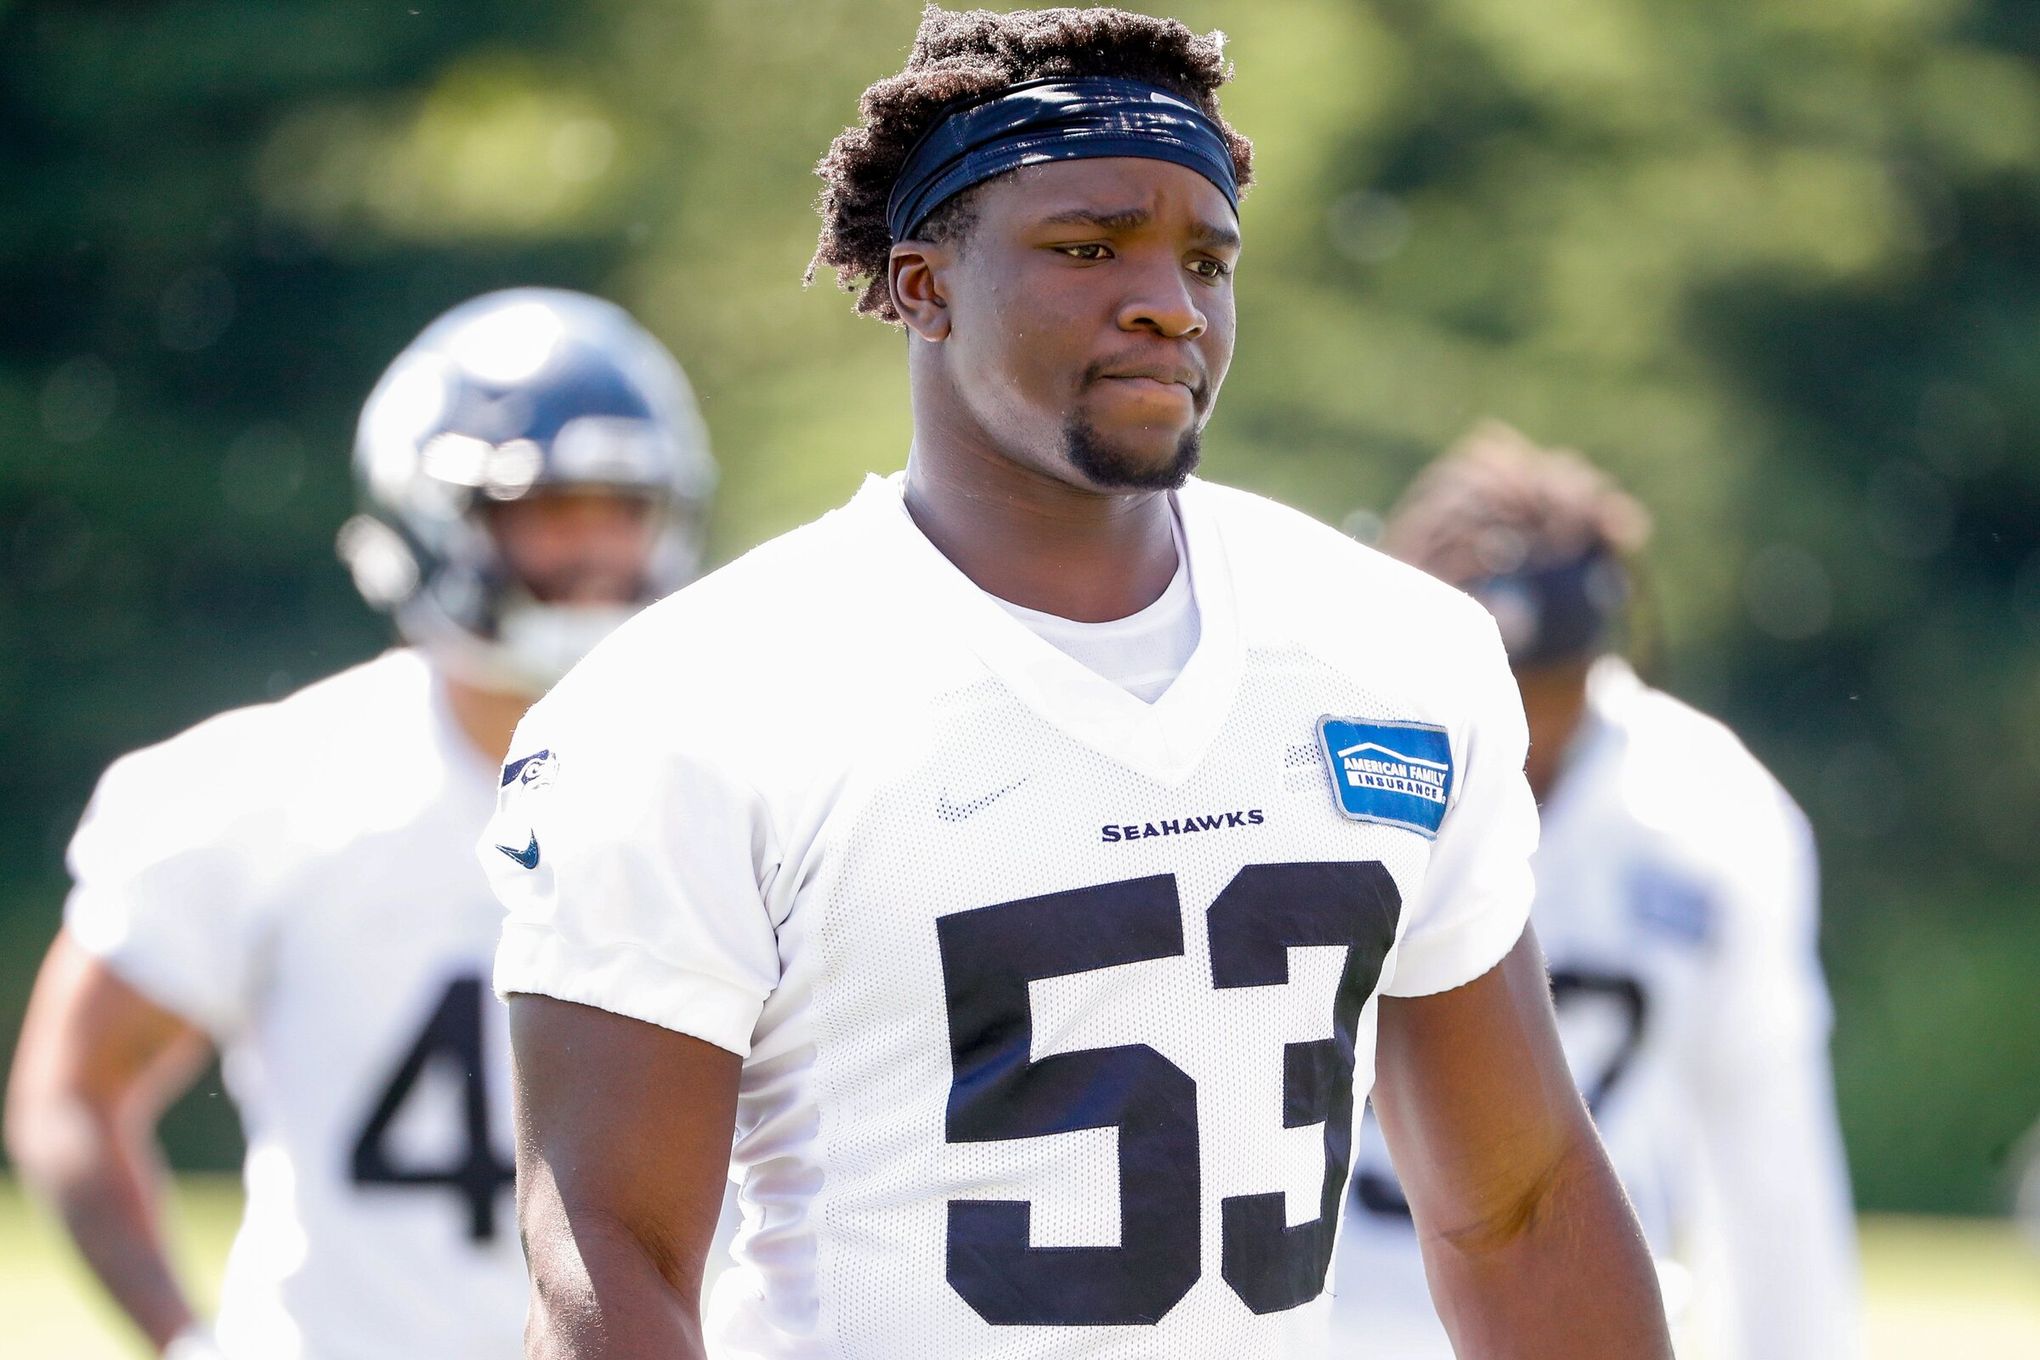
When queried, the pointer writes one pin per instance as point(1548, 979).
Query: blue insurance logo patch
point(1395, 773)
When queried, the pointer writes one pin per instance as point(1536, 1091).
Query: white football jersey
point(1056, 1006)
point(1676, 904)
point(297, 879)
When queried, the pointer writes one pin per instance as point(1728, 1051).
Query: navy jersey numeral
point(1571, 987)
point(478, 1176)
point(1259, 915)
point(990, 955)
point(988, 958)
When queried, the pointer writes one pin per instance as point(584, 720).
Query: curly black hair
point(961, 53)
point(1497, 501)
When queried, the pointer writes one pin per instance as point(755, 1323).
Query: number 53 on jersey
point(990, 955)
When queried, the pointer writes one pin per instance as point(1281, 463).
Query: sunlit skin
point(1554, 703)
point(99, 1062)
point(576, 546)
point(1092, 298)
point(96, 1066)
point(565, 547)
point(1062, 355)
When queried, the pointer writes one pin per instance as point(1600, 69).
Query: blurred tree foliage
point(1776, 264)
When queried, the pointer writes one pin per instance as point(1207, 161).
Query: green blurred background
point(1775, 263)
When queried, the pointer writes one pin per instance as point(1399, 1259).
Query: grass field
point(1939, 1289)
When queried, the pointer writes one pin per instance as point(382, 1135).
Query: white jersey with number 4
point(1055, 1005)
point(1676, 905)
point(297, 880)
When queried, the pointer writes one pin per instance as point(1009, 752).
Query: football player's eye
point(1210, 269)
point(1089, 250)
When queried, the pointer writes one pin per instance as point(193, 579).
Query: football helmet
point(515, 394)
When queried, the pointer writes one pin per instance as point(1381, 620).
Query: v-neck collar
point(1166, 740)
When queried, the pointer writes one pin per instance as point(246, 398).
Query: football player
point(1029, 880)
point(1676, 905)
point(293, 883)
point(2026, 1188)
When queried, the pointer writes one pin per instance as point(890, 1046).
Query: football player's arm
point(1764, 1097)
point(638, 952)
point(623, 1147)
point(1530, 1247)
point(97, 1064)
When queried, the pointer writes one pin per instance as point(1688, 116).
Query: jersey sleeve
point(166, 874)
point(1475, 898)
point(1765, 1099)
point(633, 866)
point(1765, 960)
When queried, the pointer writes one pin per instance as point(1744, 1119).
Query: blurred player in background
point(1676, 901)
point(2026, 1186)
point(294, 884)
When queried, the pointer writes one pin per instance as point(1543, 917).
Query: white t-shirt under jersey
point(1676, 905)
point(1142, 653)
point(297, 880)
point(1055, 1005)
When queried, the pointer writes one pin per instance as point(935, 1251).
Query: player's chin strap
point(194, 1343)
point(534, 647)
point(547, 640)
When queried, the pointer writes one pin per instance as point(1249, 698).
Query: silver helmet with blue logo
point(512, 395)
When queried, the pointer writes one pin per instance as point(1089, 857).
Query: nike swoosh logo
point(956, 812)
point(528, 856)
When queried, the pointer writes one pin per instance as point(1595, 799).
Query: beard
point(1106, 466)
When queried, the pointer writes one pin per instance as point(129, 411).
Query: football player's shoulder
point(252, 748)
point(365, 702)
point(190, 789)
point(1324, 587)
point(237, 775)
point(753, 637)
point(1694, 783)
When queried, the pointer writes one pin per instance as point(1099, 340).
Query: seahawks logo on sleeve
point(535, 771)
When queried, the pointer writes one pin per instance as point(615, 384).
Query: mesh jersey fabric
point(295, 879)
point(981, 921)
point(1676, 904)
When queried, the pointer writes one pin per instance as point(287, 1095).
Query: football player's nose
point(1164, 305)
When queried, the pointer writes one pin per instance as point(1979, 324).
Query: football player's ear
point(914, 274)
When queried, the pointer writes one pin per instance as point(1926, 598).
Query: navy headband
point(1560, 611)
point(1057, 119)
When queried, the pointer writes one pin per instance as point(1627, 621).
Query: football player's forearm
point(598, 1294)
point(104, 1183)
point(97, 1065)
point(623, 1140)
point(1566, 1276)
